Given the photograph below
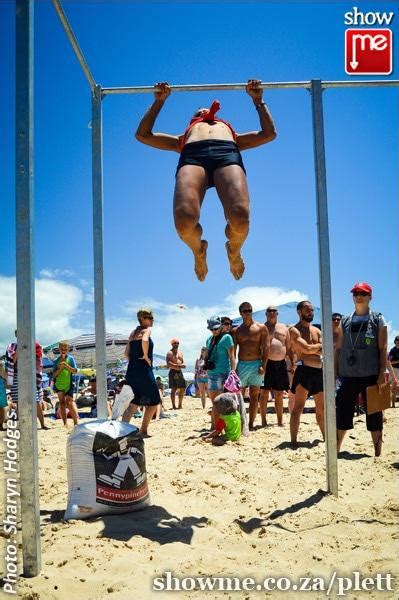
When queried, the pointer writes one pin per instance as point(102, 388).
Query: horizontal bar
point(145, 89)
point(361, 83)
point(74, 43)
point(205, 87)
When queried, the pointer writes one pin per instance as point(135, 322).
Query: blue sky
point(134, 43)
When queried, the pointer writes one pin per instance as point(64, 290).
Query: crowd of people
point(268, 361)
point(273, 360)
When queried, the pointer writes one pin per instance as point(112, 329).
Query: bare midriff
point(278, 349)
point(209, 131)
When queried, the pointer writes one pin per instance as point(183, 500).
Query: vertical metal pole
point(98, 250)
point(28, 454)
point(325, 288)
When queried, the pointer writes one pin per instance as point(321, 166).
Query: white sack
point(106, 470)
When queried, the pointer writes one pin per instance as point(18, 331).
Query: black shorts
point(276, 376)
point(211, 155)
point(309, 378)
point(346, 400)
point(66, 393)
point(176, 379)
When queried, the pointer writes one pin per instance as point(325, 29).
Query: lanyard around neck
point(353, 343)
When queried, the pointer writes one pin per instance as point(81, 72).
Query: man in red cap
point(210, 156)
point(175, 364)
point(360, 359)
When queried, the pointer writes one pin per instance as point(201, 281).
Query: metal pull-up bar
point(224, 87)
point(74, 43)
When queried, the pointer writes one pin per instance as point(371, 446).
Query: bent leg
point(231, 186)
point(190, 188)
point(264, 396)
point(319, 409)
point(63, 413)
point(253, 405)
point(72, 409)
point(149, 412)
point(279, 406)
point(180, 393)
point(300, 398)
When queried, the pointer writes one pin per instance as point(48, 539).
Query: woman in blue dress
point(139, 374)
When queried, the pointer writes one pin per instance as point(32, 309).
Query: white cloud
point(188, 323)
point(56, 303)
point(54, 273)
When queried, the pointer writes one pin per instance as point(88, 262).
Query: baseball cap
point(362, 286)
point(214, 323)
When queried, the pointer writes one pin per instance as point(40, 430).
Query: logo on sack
point(368, 51)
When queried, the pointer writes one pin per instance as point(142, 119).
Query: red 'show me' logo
point(368, 51)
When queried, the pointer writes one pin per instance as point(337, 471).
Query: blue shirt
point(220, 354)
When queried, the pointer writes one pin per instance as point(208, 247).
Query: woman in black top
point(139, 374)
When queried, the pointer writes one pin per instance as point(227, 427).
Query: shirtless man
point(175, 364)
point(336, 322)
point(252, 340)
point(210, 156)
point(276, 375)
point(308, 377)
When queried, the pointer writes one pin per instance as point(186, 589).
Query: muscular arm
point(267, 132)
point(290, 351)
point(301, 345)
point(144, 133)
point(337, 349)
point(171, 364)
point(383, 348)
point(232, 356)
point(265, 345)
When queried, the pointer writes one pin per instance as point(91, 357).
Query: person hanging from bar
point(210, 156)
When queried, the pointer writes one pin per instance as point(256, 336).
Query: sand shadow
point(52, 516)
point(309, 445)
point(153, 523)
point(352, 455)
point(395, 465)
point(256, 522)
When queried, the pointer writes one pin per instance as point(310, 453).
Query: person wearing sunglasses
point(336, 321)
point(175, 364)
point(308, 377)
point(252, 340)
point(140, 380)
point(361, 360)
point(276, 379)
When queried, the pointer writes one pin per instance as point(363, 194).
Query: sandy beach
point(254, 508)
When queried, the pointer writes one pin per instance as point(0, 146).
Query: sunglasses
point(246, 310)
point(337, 319)
point(228, 324)
point(148, 317)
point(272, 310)
point(361, 294)
point(175, 344)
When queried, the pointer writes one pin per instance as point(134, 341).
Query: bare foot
point(237, 266)
point(200, 266)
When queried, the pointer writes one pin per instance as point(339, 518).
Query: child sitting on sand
point(229, 420)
